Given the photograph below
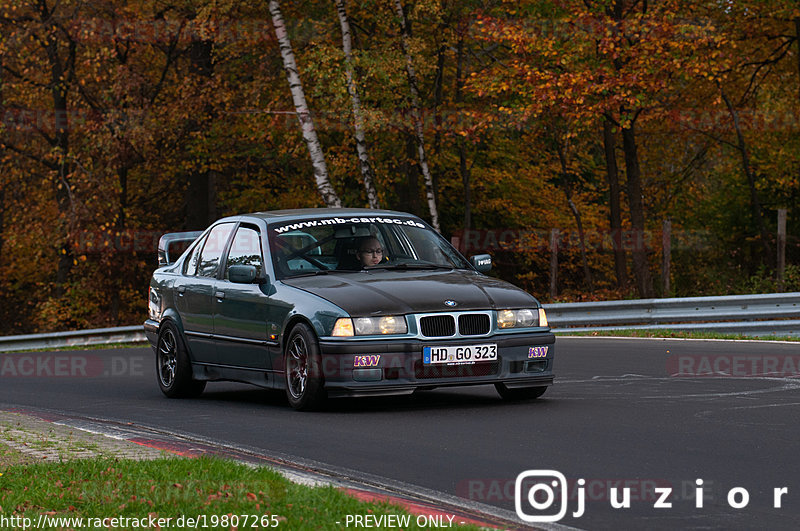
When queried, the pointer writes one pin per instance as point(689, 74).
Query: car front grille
point(422, 371)
point(444, 324)
point(437, 325)
point(473, 324)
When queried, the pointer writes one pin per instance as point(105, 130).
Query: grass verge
point(676, 334)
point(215, 493)
point(9, 457)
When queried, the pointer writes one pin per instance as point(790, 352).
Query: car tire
point(519, 393)
point(173, 368)
point(305, 385)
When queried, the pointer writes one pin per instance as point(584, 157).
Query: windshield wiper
point(309, 274)
point(406, 266)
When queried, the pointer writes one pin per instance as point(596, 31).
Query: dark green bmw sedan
point(339, 302)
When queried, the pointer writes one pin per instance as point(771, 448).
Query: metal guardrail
point(776, 314)
point(97, 336)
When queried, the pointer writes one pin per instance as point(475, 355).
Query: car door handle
point(220, 294)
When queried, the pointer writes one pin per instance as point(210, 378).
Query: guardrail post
point(666, 252)
point(553, 263)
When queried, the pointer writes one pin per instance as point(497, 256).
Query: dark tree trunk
point(119, 266)
point(615, 209)
point(200, 200)
point(2, 218)
point(461, 142)
point(747, 168)
point(2, 184)
point(411, 185)
point(587, 272)
point(465, 178)
point(61, 75)
point(122, 175)
point(641, 267)
point(200, 187)
point(438, 97)
point(797, 42)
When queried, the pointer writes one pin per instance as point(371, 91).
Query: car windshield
point(318, 246)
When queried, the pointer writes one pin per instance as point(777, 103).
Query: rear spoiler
point(172, 238)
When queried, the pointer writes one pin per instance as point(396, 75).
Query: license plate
point(459, 354)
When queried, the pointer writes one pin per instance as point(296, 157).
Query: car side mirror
point(242, 274)
point(481, 262)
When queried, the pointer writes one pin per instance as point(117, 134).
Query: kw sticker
point(366, 361)
point(537, 352)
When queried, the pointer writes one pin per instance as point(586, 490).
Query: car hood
point(385, 292)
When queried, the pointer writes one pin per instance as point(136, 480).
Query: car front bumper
point(386, 367)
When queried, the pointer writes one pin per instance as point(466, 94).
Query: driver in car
point(370, 252)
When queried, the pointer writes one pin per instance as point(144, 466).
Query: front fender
point(301, 305)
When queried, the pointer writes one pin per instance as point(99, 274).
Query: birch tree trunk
point(416, 115)
point(358, 121)
point(301, 107)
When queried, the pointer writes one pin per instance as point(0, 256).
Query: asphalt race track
point(642, 414)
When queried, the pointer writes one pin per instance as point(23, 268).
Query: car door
point(195, 294)
point(240, 310)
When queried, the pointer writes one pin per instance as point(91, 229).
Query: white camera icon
point(546, 482)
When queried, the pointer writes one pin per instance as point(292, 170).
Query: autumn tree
point(612, 60)
point(749, 82)
point(38, 33)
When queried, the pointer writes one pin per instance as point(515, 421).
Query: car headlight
point(524, 318)
point(370, 326)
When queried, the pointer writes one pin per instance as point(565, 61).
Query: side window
point(212, 250)
point(190, 266)
point(245, 249)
